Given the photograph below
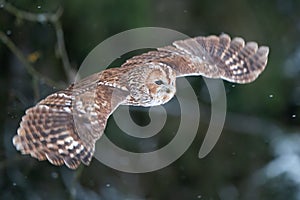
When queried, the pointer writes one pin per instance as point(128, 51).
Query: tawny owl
point(65, 126)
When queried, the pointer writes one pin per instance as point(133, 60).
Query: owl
point(64, 127)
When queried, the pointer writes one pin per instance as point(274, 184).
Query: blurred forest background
point(258, 153)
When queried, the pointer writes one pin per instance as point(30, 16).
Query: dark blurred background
point(258, 153)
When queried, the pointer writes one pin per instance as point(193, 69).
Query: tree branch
point(54, 19)
point(30, 69)
point(41, 18)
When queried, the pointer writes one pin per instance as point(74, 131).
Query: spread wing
point(64, 127)
point(212, 57)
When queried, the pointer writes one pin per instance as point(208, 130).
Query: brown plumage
point(65, 126)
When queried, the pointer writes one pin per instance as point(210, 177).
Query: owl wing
point(64, 127)
point(212, 57)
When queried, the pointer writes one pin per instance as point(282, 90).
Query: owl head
point(152, 84)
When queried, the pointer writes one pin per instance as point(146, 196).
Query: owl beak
point(167, 89)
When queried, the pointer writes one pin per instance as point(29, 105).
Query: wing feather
point(64, 127)
point(212, 57)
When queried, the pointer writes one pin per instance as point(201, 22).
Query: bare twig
point(30, 69)
point(62, 51)
point(36, 89)
point(43, 18)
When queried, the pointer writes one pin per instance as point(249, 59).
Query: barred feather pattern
point(64, 127)
point(212, 57)
point(47, 132)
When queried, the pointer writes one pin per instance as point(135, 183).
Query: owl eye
point(159, 82)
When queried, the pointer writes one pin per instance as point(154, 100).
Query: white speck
point(54, 175)
point(230, 60)
point(38, 7)
point(69, 139)
point(68, 103)
point(68, 110)
point(104, 104)
point(233, 67)
point(60, 142)
point(8, 32)
point(49, 145)
point(14, 184)
point(233, 86)
point(107, 185)
point(79, 104)
point(271, 95)
point(62, 95)
point(60, 151)
point(41, 18)
point(44, 107)
point(293, 116)
point(72, 145)
point(80, 149)
point(199, 196)
point(2, 5)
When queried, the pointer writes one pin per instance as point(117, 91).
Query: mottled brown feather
point(64, 127)
point(212, 57)
point(48, 131)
